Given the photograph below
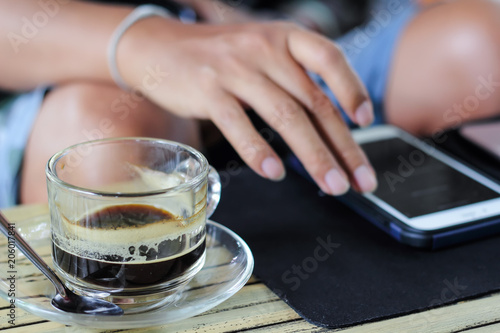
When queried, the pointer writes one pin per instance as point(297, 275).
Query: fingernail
point(337, 183)
point(365, 178)
point(364, 114)
point(273, 169)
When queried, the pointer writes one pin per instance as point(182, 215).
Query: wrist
point(140, 13)
point(140, 44)
point(149, 41)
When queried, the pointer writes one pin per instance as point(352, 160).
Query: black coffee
point(117, 271)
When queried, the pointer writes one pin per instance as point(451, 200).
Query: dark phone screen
point(416, 183)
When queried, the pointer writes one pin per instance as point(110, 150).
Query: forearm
point(207, 72)
point(49, 45)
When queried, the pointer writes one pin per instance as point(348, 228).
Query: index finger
point(323, 57)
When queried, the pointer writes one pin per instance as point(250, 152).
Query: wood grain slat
point(21, 212)
point(232, 320)
point(256, 304)
point(493, 328)
point(22, 318)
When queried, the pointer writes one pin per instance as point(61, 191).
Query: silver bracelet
point(137, 14)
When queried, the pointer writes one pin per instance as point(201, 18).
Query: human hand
point(214, 70)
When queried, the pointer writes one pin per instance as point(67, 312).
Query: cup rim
point(52, 176)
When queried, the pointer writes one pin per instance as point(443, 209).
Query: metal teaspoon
point(64, 299)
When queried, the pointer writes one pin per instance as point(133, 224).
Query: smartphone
point(484, 135)
point(425, 197)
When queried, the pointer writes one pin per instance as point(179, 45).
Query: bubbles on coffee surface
point(132, 233)
point(139, 252)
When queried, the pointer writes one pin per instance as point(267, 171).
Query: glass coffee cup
point(128, 218)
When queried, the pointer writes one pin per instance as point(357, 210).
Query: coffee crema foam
point(127, 241)
point(88, 252)
point(156, 180)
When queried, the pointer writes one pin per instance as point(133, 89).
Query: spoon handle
point(21, 244)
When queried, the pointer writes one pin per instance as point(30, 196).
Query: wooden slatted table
point(256, 309)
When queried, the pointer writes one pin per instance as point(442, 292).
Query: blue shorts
point(17, 115)
point(369, 50)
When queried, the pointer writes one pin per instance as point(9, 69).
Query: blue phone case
point(403, 233)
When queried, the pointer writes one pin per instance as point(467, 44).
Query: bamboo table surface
point(256, 309)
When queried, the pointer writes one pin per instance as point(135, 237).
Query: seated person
point(176, 72)
point(416, 68)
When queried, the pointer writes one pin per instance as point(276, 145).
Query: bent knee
point(79, 112)
point(445, 53)
point(97, 111)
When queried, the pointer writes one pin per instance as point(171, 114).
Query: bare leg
point(84, 111)
point(442, 66)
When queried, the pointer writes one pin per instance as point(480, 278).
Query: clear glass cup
point(128, 218)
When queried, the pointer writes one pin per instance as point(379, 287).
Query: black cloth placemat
point(336, 269)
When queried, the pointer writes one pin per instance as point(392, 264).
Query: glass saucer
point(228, 266)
